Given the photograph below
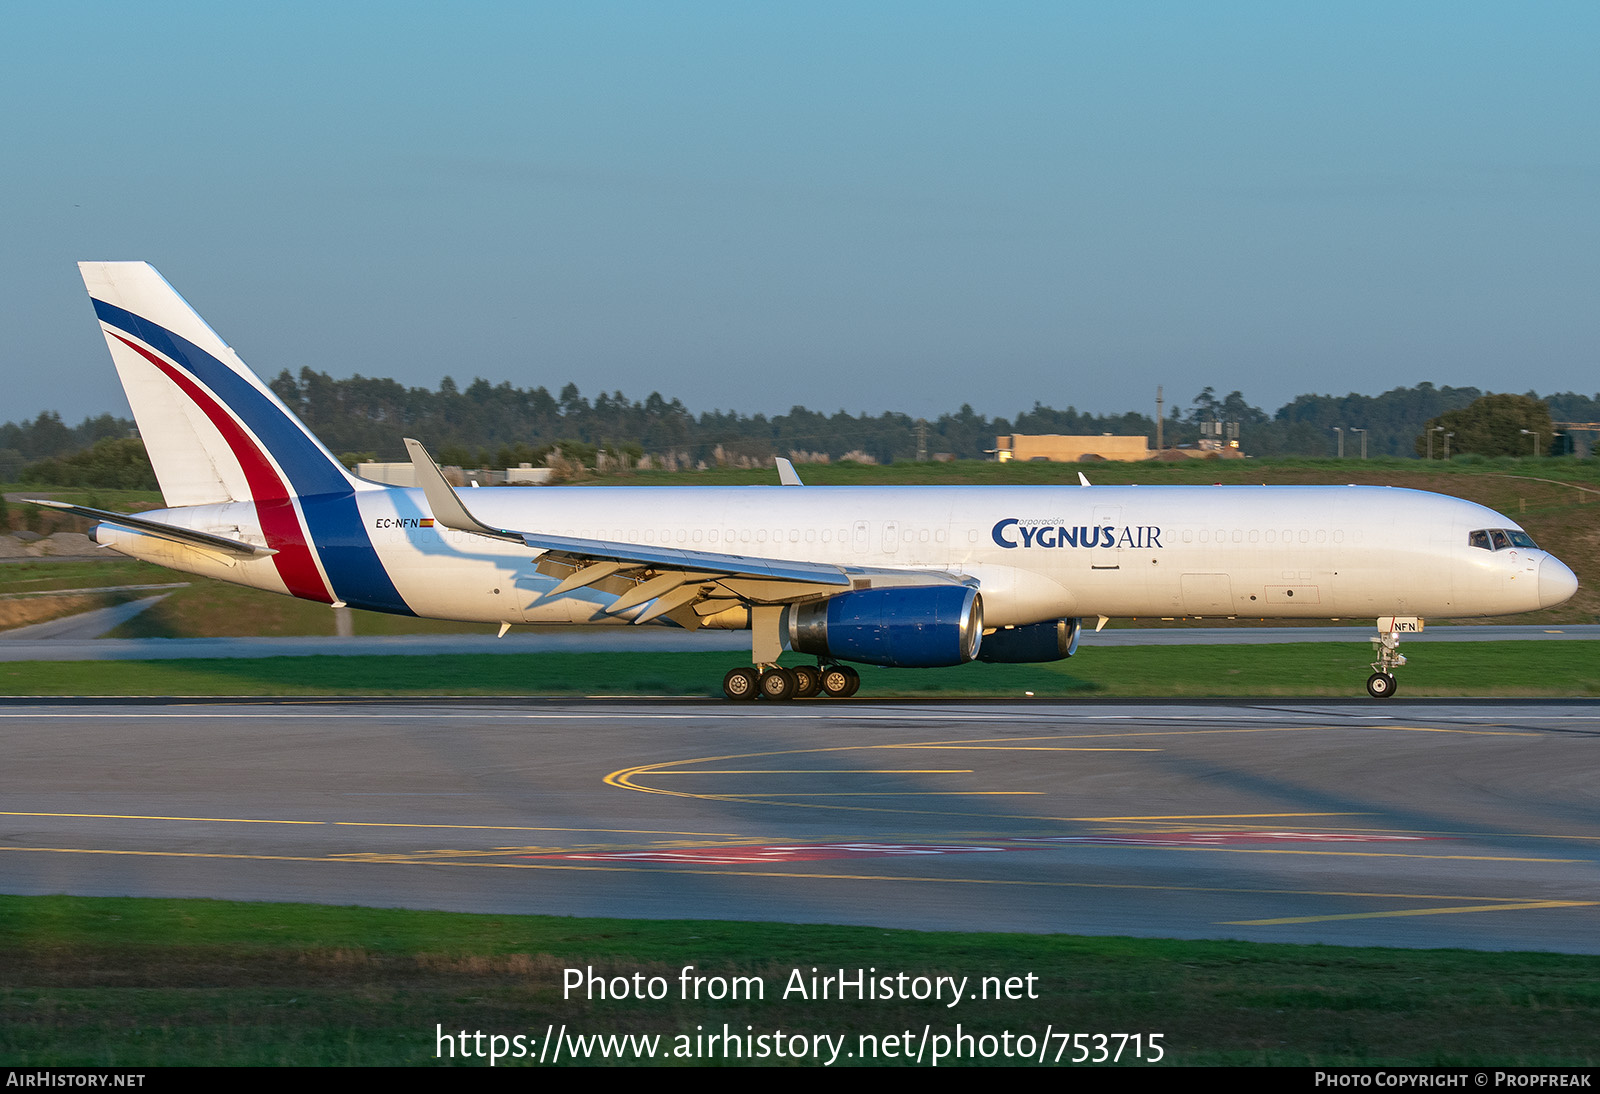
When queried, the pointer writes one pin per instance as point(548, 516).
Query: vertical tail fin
point(214, 431)
point(216, 434)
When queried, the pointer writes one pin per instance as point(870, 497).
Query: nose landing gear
point(1386, 648)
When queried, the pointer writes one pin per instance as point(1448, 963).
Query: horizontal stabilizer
point(186, 536)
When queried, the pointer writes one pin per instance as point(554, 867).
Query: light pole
point(1535, 436)
point(1363, 433)
point(1431, 432)
point(1447, 437)
point(1340, 430)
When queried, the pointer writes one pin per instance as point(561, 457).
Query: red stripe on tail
point(274, 503)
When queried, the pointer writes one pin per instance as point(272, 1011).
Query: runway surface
point(1417, 824)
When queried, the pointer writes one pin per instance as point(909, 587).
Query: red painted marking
point(738, 856)
point(812, 852)
point(274, 504)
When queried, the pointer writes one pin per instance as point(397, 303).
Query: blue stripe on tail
point(326, 496)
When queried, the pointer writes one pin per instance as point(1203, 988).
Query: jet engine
point(903, 627)
point(1049, 641)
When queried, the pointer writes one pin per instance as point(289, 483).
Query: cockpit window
point(1499, 539)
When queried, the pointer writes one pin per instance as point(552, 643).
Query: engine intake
point(917, 627)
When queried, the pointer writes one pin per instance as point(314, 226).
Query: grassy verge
point(120, 982)
point(202, 608)
point(1298, 669)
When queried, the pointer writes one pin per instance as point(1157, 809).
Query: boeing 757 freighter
point(902, 576)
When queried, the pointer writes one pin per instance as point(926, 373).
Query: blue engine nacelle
point(1049, 641)
point(919, 627)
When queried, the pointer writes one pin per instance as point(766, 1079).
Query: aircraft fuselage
point(1037, 553)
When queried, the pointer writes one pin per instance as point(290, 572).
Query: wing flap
point(673, 558)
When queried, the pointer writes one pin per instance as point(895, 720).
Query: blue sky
point(863, 205)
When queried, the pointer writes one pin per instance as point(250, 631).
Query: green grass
point(206, 608)
point(1297, 669)
point(115, 501)
point(43, 575)
point(216, 609)
point(129, 983)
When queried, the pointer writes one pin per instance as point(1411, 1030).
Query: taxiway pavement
point(1422, 824)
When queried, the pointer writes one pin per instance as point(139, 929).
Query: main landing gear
point(800, 682)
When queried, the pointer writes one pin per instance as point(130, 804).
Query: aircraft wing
point(600, 550)
point(673, 577)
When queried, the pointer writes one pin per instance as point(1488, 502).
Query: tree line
point(372, 415)
point(499, 425)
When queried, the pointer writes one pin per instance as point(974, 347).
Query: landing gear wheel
point(807, 681)
point(1380, 685)
point(739, 684)
point(855, 681)
point(778, 684)
point(840, 681)
point(835, 682)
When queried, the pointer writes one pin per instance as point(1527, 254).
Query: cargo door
point(1105, 555)
point(1207, 594)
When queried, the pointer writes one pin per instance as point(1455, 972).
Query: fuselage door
point(1107, 523)
point(1207, 594)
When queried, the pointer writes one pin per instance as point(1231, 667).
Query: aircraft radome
point(901, 576)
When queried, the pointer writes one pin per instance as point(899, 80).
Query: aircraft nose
point(1557, 583)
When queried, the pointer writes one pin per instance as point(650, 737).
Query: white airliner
point(901, 576)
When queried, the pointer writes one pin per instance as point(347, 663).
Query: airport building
point(1060, 448)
